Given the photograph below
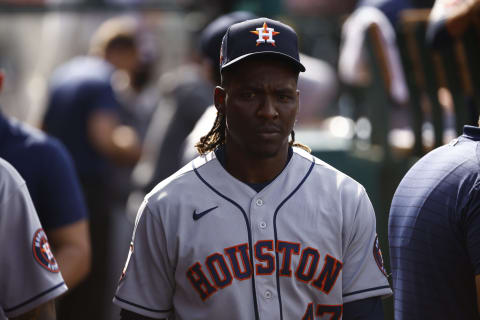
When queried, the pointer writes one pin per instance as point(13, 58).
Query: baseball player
point(256, 227)
point(29, 273)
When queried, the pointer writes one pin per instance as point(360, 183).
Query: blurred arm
point(71, 247)
point(118, 142)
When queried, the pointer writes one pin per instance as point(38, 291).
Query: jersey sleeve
point(147, 283)
point(472, 226)
point(364, 274)
point(29, 274)
point(61, 200)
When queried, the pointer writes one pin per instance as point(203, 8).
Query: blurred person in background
point(449, 20)
point(50, 176)
point(186, 92)
point(138, 95)
point(30, 279)
point(392, 8)
point(357, 71)
point(84, 113)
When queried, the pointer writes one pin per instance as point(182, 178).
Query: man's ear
point(219, 99)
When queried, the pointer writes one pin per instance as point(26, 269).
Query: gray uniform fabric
point(29, 274)
point(196, 231)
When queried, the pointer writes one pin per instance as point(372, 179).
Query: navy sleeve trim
point(365, 290)
point(142, 307)
point(34, 298)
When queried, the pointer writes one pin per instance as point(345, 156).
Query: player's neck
point(251, 169)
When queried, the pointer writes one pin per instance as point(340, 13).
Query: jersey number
point(321, 310)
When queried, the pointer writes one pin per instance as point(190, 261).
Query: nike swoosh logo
point(197, 216)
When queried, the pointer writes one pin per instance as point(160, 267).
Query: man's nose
point(267, 108)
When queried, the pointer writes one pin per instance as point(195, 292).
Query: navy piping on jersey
point(255, 304)
point(365, 290)
point(34, 298)
point(275, 233)
point(471, 132)
point(142, 307)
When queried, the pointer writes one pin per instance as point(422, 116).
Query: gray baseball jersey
point(207, 246)
point(29, 274)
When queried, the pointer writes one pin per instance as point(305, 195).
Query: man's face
point(260, 104)
point(124, 59)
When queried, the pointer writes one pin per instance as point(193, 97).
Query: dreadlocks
point(300, 145)
point(216, 137)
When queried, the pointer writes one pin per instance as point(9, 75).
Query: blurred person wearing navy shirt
point(84, 113)
point(48, 170)
point(434, 234)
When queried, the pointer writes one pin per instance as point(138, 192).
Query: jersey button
point(259, 202)
point(267, 294)
point(263, 225)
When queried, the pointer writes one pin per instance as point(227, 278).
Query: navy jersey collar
point(471, 132)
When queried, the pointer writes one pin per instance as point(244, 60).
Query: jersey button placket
point(262, 224)
point(262, 230)
point(268, 295)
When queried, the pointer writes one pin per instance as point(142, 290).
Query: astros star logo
point(265, 34)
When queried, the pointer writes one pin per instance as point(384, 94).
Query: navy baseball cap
point(260, 36)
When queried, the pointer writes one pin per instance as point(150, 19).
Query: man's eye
point(247, 95)
point(285, 98)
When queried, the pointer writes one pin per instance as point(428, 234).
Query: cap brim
point(288, 58)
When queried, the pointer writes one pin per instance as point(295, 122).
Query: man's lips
point(268, 130)
point(268, 133)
